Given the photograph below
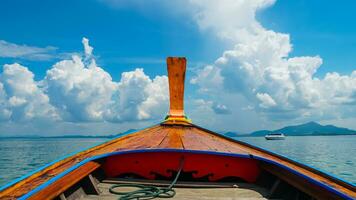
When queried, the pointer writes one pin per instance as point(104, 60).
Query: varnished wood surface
point(61, 185)
point(176, 75)
point(162, 137)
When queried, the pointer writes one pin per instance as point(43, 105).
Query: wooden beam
point(274, 187)
point(304, 185)
point(62, 197)
point(93, 186)
point(176, 67)
point(58, 187)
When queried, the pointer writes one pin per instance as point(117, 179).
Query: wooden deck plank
point(242, 191)
point(172, 139)
point(215, 143)
point(193, 141)
point(147, 140)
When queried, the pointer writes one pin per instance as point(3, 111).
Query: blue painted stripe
point(44, 185)
point(62, 158)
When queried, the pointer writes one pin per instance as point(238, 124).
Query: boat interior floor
point(186, 190)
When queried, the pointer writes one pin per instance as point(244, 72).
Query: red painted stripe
point(144, 164)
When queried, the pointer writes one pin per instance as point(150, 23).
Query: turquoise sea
point(333, 154)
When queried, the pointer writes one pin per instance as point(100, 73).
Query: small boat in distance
point(275, 136)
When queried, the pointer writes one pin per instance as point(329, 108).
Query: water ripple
point(332, 154)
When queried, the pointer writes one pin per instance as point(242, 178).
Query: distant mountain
point(260, 133)
point(122, 134)
point(75, 136)
point(231, 134)
point(310, 128)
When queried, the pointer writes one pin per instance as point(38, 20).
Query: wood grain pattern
point(167, 136)
point(61, 185)
point(172, 139)
point(176, 75)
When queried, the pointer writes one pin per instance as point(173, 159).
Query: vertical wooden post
point(176, 67)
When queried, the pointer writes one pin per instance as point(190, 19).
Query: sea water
point(21, 156)
point(333, 154)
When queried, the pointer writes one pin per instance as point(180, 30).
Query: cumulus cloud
point(78, 90)
point(208, 106)
point(88, 50)
point(229, 19)
point(260, 68)
point(156, 101)
point(22, 98)
point(220, 109)
point(11, 50)
point(83, 91)
point(139, 97)
point(266, 100)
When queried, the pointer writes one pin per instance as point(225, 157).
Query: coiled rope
point(146, 191)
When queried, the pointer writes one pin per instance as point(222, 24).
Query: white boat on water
point(275, 136)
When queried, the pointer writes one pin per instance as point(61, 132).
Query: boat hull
point(274, 137)
point(210, 158)
point(199, 167)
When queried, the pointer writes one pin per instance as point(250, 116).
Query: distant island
point(75, 136)
point(310, 128)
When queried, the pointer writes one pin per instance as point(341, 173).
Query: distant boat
point(176, 156)
point(275, 136)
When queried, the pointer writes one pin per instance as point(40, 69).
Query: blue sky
point(127, 35)
point(324, 28)
point(124, 38)
point(122, 35)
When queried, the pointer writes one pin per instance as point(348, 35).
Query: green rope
point(148, 192)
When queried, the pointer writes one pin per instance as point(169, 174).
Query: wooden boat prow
point(153, 154)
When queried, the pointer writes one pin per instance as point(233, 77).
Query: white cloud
point(229, 19)
point(16, 101)
point(78, 90)
point(208, 78)
point(209, 107)
point(266, 100)
point(5, 112)
point(255, 77)
point(88, 50)
point(139, 97)
point(220, 109)
point(83, 91)
point(157, 99)
point(11, 50)
point(259, 66)
point(22, 98)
